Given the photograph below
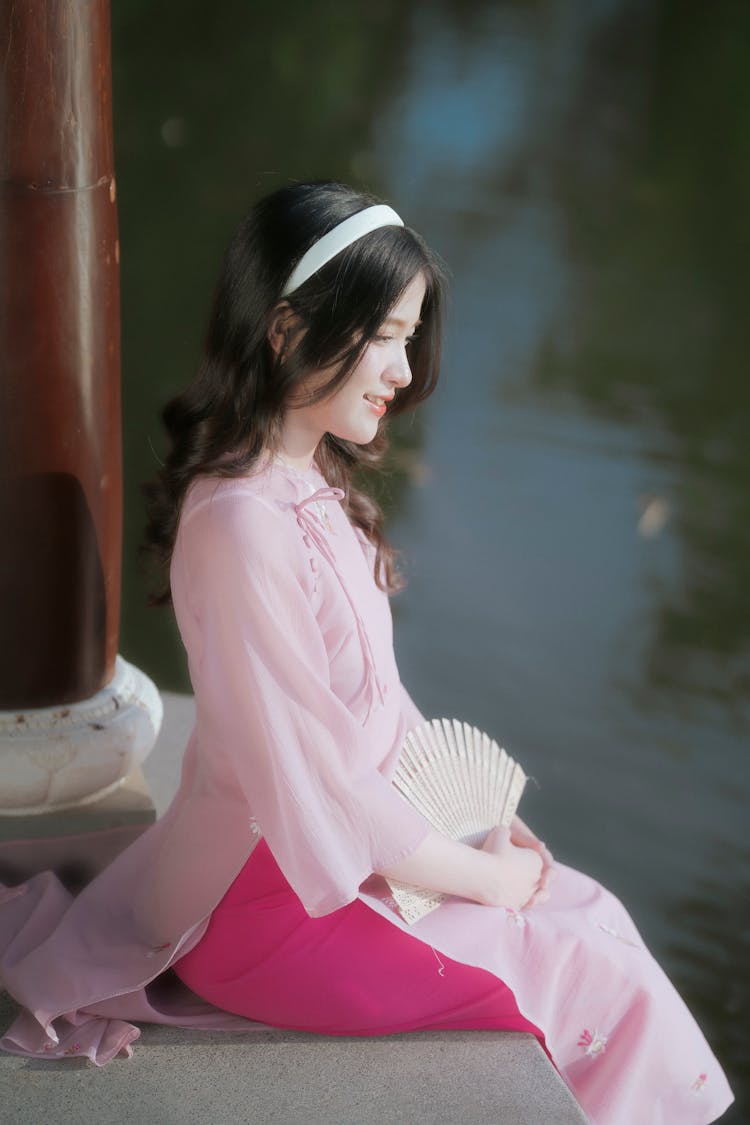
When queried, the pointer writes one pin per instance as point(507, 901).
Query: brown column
point(60, 449)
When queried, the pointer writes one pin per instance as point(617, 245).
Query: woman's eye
point(383, 339)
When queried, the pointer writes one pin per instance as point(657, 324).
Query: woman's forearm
point(442, 864)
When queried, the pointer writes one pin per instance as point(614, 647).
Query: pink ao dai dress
point(284, 811)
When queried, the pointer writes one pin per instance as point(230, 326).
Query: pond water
point(573, 503)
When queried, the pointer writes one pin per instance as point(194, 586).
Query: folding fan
point(463, 783)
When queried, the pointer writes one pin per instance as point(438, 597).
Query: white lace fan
point(463, 783)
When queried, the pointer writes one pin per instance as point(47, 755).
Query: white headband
point(338, 239)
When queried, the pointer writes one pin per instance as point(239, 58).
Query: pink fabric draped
point(300, 715)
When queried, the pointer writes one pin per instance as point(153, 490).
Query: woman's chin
point(358, 435)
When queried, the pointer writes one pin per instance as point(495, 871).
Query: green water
point(573, 503)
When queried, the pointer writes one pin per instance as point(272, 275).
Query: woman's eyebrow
point(401, 323)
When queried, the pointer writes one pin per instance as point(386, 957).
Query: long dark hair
point(237, 400)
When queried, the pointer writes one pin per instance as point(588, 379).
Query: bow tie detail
point(317, 498)
point(312, 524)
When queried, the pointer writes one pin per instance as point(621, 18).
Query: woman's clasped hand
point(524, 870)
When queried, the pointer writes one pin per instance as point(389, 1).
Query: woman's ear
point(283, 326)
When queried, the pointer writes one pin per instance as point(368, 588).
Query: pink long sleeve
point(267, 714)
point(412, 715)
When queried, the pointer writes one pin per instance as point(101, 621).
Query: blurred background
point(573, 503)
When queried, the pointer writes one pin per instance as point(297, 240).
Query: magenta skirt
point(348, 973)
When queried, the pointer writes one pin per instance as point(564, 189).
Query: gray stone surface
point(188, 1077)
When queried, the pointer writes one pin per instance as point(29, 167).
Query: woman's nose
point(399, 372)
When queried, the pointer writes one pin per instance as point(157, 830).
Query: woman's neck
point(299, 464)
point(301, 458)
point(297, 442)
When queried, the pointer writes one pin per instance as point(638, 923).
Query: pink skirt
point(350, 972)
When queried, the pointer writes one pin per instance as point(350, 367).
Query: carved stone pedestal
point(71, 791)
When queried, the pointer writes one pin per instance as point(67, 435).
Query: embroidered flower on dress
point(254, 827)
point(594, 1042)
point(158, 949)
point(73, 1049)
point(515, 916)
point(619, 937)
point(700, 1082)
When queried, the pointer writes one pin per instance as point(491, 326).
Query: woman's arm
point(464, 871)
point(500, 874)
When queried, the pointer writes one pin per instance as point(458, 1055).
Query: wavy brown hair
point(237, 399)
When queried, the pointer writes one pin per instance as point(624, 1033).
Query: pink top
point(299, 707)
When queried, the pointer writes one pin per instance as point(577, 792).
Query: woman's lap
point(350, 972)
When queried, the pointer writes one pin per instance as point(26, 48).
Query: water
point(573, 502)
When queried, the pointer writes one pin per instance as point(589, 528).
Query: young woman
point(262, 886)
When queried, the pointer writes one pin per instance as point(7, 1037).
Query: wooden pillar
point(60, 449)
point(60, 444)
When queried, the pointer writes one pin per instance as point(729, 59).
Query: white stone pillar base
point(56, 758)
point(75, 843)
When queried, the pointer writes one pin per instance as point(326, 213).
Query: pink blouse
point(299, 707)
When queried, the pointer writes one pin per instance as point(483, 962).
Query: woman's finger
point(548, 876)
point(497, 839)
point(520, 835)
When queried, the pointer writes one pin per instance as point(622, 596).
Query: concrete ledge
point(288, 1078)
point(190, 1077)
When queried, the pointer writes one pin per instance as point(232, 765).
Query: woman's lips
point(378, 407)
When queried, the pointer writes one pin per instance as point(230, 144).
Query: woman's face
point(354, 410)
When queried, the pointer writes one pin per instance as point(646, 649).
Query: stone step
point(289, 1078)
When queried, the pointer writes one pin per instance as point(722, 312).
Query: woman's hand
point(512, 868)
point(523, 837)
point(516, 876)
